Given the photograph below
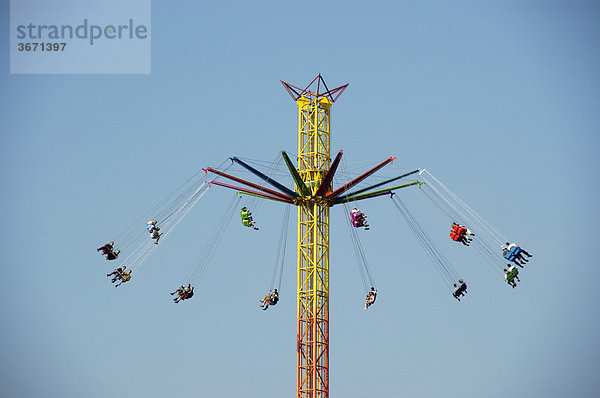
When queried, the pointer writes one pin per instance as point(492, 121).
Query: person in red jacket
point(107, 248)
point(460, 233)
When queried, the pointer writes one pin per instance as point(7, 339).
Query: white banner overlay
point(80, 37)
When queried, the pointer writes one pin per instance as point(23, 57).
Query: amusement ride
point(314, 193)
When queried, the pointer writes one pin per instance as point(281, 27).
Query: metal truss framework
point(313, 247)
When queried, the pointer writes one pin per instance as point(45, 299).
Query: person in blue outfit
point(513, 252)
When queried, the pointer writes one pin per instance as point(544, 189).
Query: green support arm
point(380, 192)
point(379, 184)
point(304, 191)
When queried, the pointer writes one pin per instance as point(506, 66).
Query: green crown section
point(323, 191)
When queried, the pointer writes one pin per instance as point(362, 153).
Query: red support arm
point(325, 184)
point(358, 179)
point(250, 184)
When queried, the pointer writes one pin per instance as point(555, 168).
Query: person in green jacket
point(247, 220)
point(510, 275)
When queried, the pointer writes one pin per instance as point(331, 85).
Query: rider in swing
point(371, 296)
point(247, 220)
point(460, 290)
point(270, 299)
point(359, 219)
point(153, 230)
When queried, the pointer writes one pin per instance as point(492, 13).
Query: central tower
point(313, 236)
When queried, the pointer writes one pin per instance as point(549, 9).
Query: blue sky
point(499, 100)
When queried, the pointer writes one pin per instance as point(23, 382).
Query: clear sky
point(498, 99)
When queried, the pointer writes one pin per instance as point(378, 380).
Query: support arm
point(266, 178)
point(250, 184)
point(304, 191)
point(372, 194)
point(346, 199)
point(379, 184)
point(358, 179)
point(253, 193)
point(325, 184)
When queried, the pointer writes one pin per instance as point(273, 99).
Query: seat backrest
point(509, 256)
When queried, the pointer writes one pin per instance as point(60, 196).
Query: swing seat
point(511, 275)
point(358, 223)
point(357, 216)
point(515, 250)
point(510, 256)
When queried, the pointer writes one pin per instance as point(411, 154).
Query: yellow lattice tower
point(313, 251)
point(313, 237)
